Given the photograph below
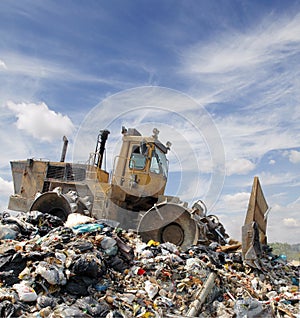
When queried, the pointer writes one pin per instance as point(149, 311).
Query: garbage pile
point(89, 268)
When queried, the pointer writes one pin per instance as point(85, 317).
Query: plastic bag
point(25, 293)
point(110, 246)
point(77, 219)
point(88, 265)
point(7, 232)
point(45, 301)
point(78, 285)
point(151, 289)
point(96, 308)
point(64, 311)
point(11, 265)
point(87, 228)
point(53, 274)
point(247, 308)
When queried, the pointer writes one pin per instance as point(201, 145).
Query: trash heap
point(88, 268)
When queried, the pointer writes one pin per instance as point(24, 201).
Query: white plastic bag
point(151, 289)
point(53, 274)
point(25, 293)
point(76, 219)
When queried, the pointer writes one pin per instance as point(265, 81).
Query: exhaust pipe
point(100, 147)
point(64, 150)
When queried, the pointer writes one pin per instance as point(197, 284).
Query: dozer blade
point(169, 222)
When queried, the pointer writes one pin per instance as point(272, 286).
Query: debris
point(110, 272)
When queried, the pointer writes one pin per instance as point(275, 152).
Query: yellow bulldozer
point(132, 196)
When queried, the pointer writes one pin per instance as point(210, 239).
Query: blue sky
point(220, 79)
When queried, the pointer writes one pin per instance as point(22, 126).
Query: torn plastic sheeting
point(12, 263)
point(93, 307)
point(248, 308)
point(51, 273)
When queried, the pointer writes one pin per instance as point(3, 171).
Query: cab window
point(137, 160)
point(159, 162)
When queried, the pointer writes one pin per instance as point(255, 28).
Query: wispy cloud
point(268, 42)
point(19, 64)
point(268, 178)
point(253, 76)
point(253, 135)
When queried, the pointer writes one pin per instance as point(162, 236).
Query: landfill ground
point(86, 268)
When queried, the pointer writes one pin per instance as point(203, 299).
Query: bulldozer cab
point(140, 155)
point(141, 168)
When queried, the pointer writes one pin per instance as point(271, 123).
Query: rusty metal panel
point(255, 226)
point(257, 209)
point(17, 169)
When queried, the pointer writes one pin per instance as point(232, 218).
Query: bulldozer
point(131, 196)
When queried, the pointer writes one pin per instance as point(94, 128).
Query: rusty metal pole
point(199, 301)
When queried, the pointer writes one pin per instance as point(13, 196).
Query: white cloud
point(194, 187)
point(294, 156)
point(239, 166)
point(231, 210)
point(235, 202)
point(284, 222)
point(2, 64)
point(291, 222)
point(6, 187)
point(272, 162)
point(41, 122)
